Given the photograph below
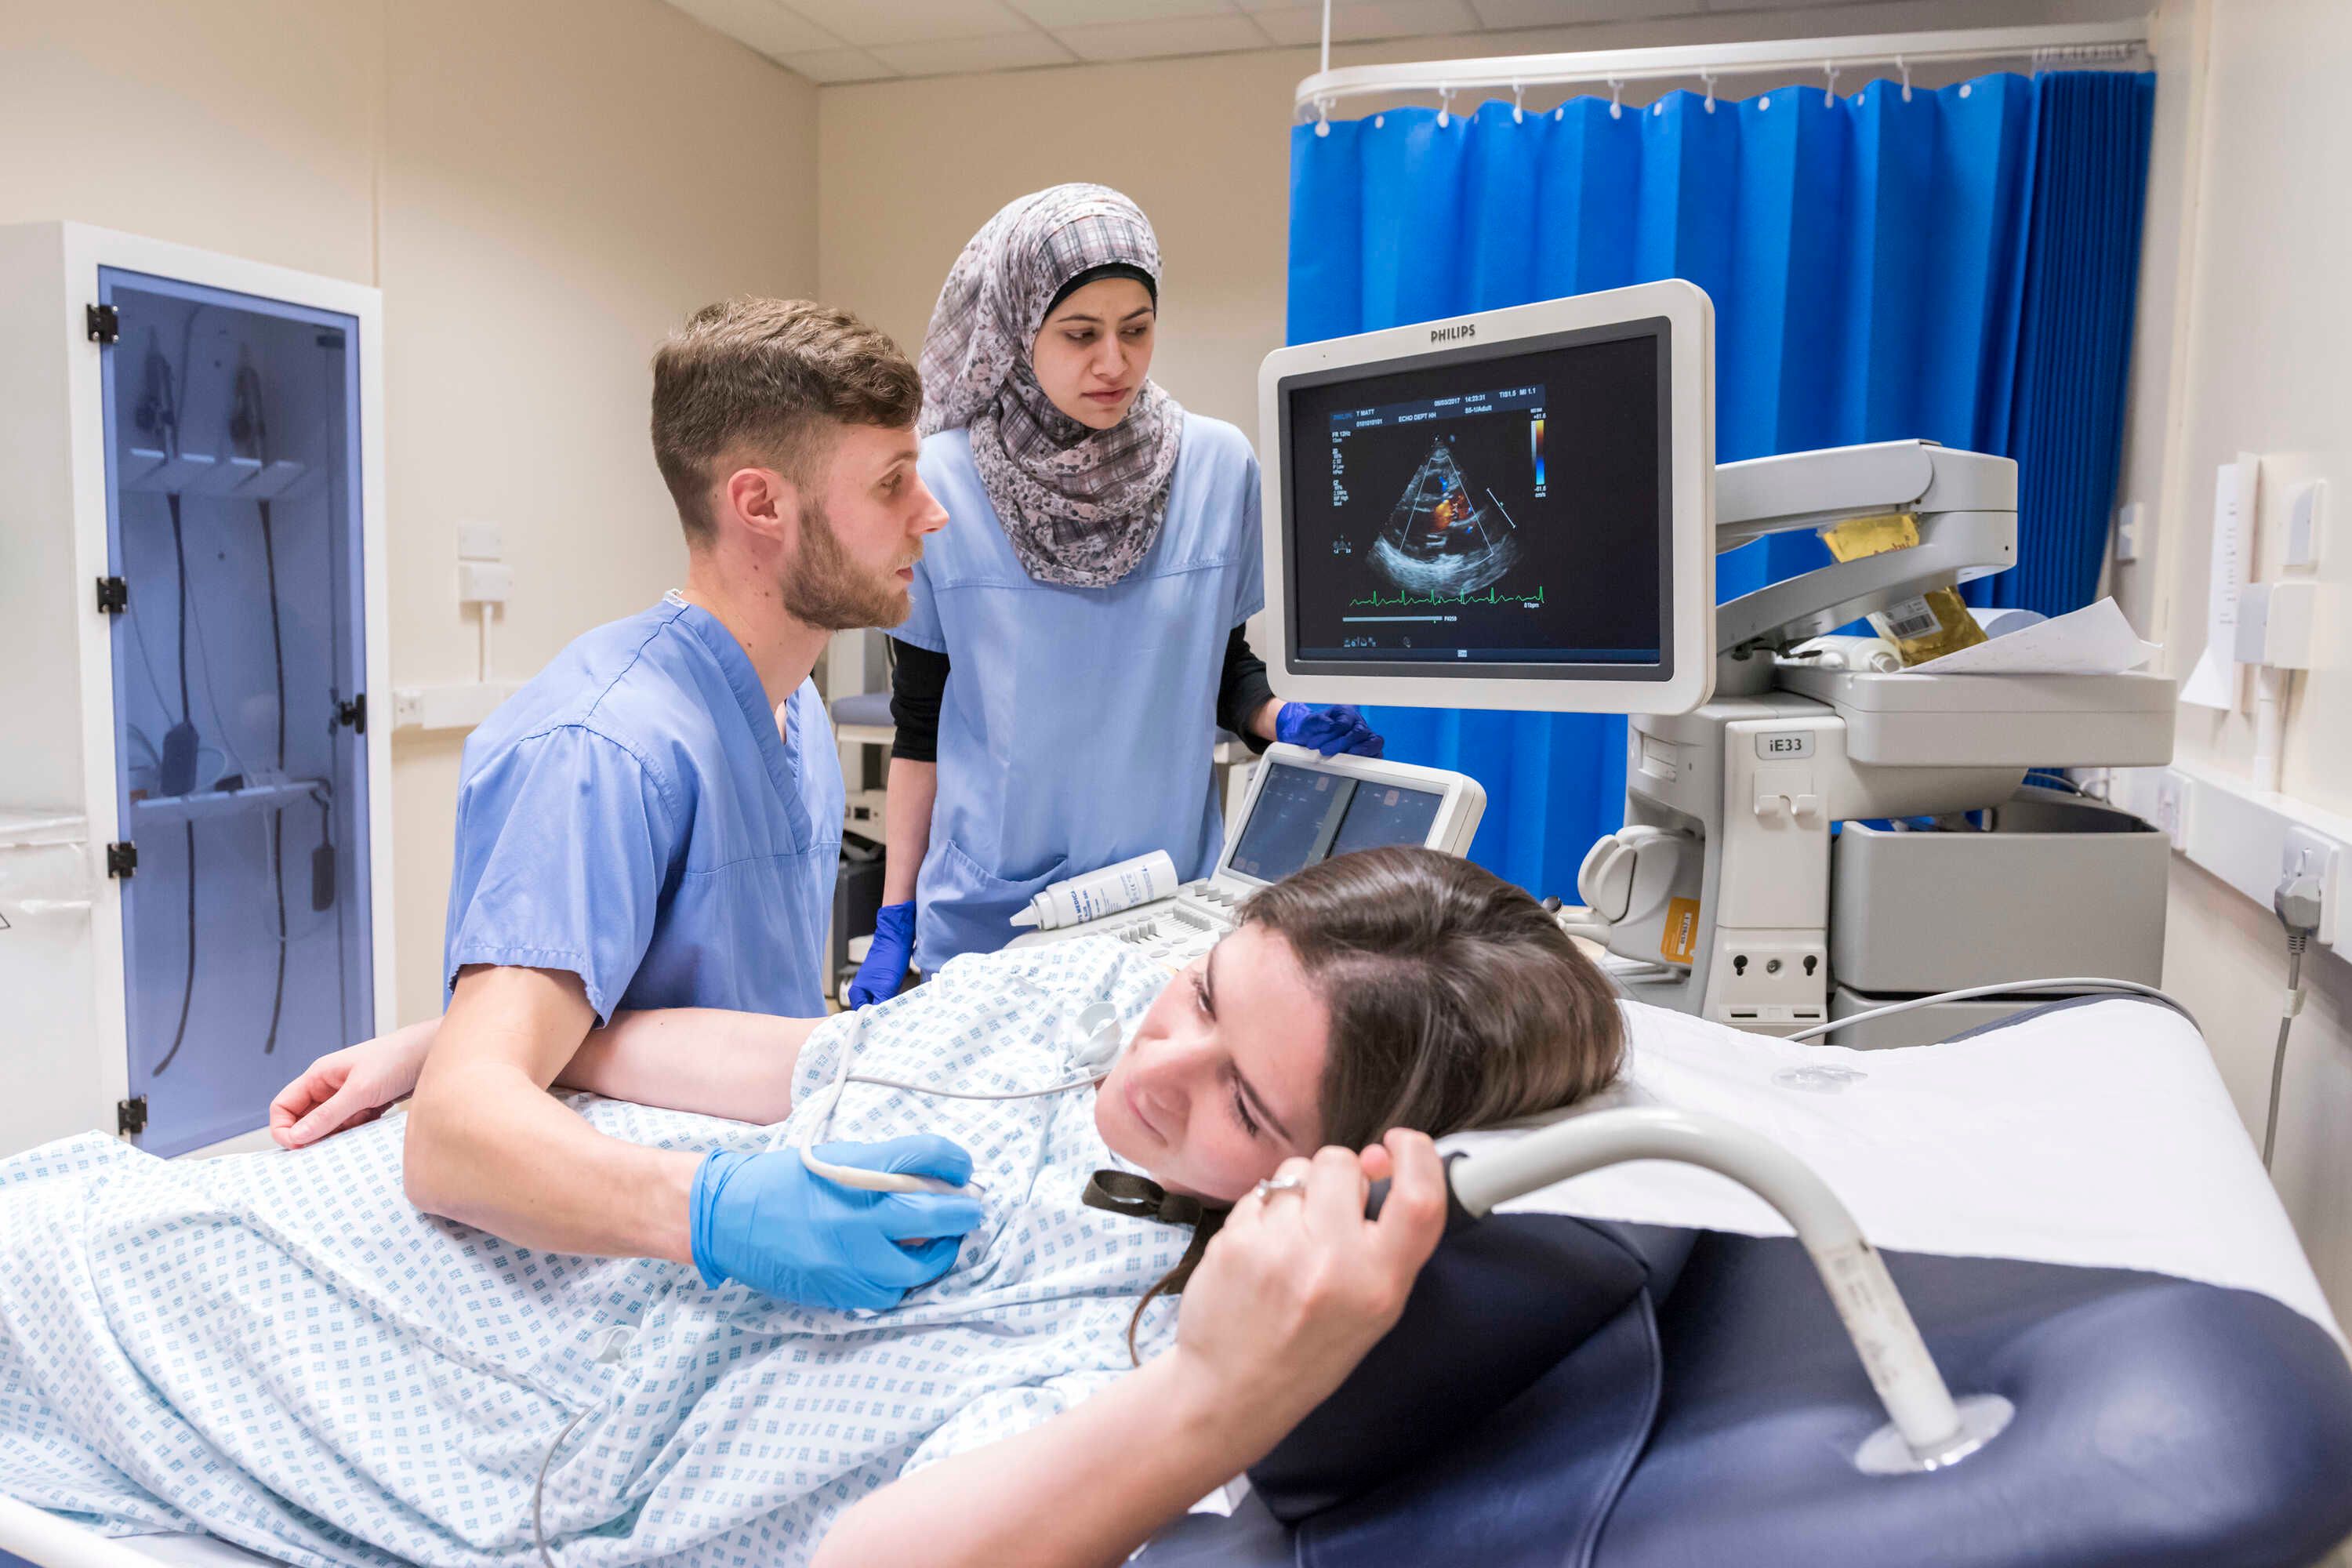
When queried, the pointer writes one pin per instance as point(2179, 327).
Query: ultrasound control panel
point(1302, 808)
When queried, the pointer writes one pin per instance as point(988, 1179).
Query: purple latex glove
point(1329, 729)
point(885, 969)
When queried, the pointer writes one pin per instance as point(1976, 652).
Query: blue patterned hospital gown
point(278, 1349)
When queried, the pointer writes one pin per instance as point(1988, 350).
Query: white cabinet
point(194, 836)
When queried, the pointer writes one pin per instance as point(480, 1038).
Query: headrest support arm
point(1893, 1355)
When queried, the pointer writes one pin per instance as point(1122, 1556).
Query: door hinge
point(104, 323)
point(353, 715)
point(113, 596)
point(130, 1116)
point(121, 859)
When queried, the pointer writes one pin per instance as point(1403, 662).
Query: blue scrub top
point(1075, 727)
point(632, 816)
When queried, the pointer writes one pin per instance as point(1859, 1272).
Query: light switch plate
point(2130, 518)
point(484, 583)
point(2306, 509)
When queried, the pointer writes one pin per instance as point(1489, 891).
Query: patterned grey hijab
point(1081, 506)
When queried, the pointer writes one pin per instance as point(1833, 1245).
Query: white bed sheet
point(2098, 1135)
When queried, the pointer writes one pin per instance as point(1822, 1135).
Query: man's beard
point(823, 588)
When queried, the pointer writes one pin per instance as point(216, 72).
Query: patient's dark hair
point(1457, 1001)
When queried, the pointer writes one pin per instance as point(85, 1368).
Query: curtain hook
point(1518, 104)
point(1830, 97)
point(1906, 69)
point(1323, 117)
point(1616, 90)
point(1708, 78)
point(1444, 107)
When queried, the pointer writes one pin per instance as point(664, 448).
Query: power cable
point(2298, 901)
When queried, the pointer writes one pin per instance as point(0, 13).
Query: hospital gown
point(281, 1349)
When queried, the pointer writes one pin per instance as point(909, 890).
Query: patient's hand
point(351, 1086)
point(1298, 1286)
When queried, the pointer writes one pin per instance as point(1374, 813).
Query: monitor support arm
point(1966, 504)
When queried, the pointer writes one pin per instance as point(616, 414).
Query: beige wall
point(562, 183)
point(248, 129)
point(2245, 338)
point(541, 187)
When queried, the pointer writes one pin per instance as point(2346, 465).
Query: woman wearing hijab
point(1076, 631)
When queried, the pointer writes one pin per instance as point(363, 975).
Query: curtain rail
point(2100, 43)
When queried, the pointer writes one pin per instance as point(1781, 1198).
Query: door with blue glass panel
point(232, 500)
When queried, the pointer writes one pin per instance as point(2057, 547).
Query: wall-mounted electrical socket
point(2276, 621)
point(449, 707)
point(2320, 856)
point(480, 542)
point(2172, 809)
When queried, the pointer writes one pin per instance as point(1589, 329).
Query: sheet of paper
point(2214, 682)
point(2094, 640)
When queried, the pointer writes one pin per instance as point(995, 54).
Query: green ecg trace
point(1407, 602)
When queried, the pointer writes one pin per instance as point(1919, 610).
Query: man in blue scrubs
point(655, 822)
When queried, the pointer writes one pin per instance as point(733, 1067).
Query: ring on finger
point(1266, 1189)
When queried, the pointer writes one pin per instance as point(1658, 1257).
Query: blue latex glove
point(1329, 729)
point(766, 1219)
point(885, 969)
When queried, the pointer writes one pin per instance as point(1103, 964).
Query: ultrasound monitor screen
point(1504, 510)
point(1381, 814)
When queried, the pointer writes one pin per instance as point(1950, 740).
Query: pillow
point(1501, 1303)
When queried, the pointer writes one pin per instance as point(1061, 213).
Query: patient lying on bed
point(281, 1349)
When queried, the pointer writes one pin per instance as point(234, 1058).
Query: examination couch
point(1645, 1389)
point(1713, 1418)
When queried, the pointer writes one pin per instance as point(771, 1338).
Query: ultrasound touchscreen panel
point(1509, 511)
point(1301, 816)
point(1380, 814)
point(1291, 823)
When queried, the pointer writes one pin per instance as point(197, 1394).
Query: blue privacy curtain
point(1957, 265)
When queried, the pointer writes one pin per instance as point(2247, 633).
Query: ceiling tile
point(953, 57)
point(1357, 21)
point(1175, 35)
point(869, 22)
point(1084, 12)
point(839, 64)
point(762, 24)
point(1501, 14)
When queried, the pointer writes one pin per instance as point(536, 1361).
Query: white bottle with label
point(1100, 893)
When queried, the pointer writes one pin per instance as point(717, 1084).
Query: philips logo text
point(1442, 334)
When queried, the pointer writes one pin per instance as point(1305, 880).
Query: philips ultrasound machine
point(1521, 511)
point(1513, 523)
